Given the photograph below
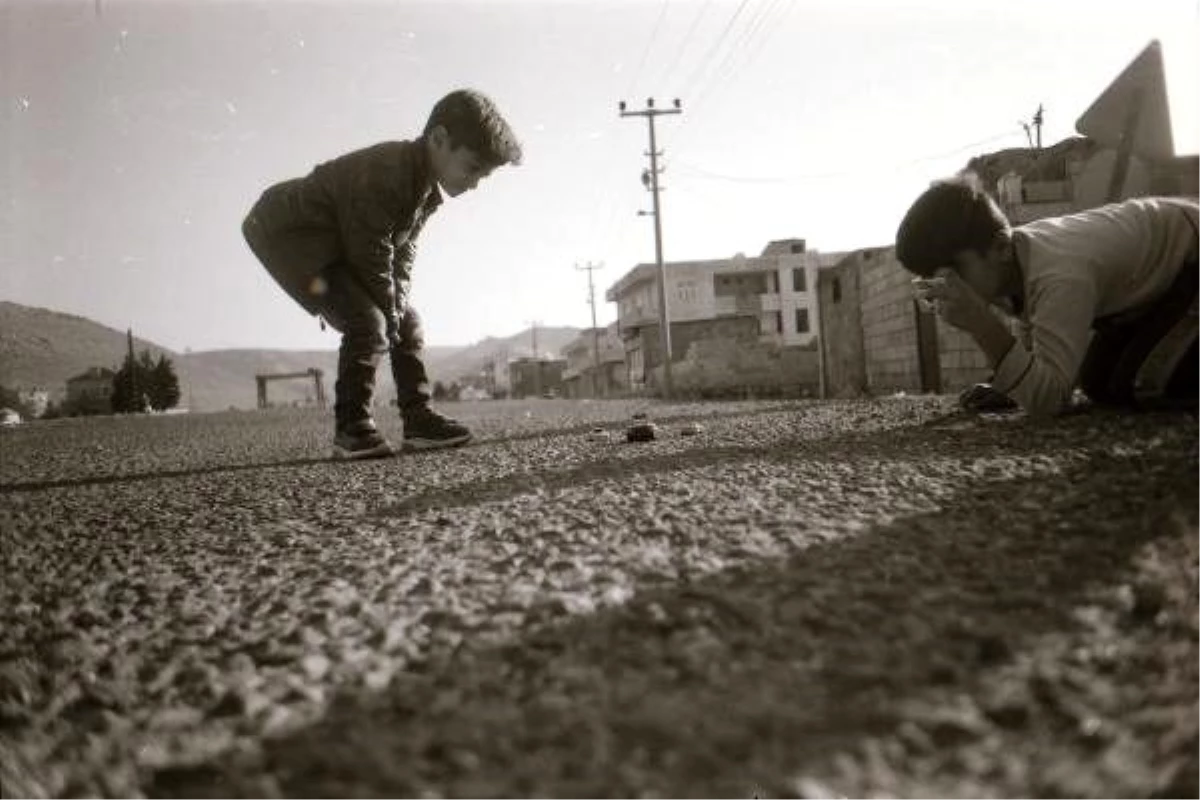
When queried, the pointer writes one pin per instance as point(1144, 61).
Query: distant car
point(9, 418)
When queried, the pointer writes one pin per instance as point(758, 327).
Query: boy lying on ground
point(1107, 295)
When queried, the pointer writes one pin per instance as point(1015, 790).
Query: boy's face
point(982, 272)
point(456, 169)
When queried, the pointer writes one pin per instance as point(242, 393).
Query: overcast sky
point(135, 134)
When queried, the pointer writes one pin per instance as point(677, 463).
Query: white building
point(777, 290)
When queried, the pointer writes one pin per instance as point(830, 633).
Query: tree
point(126, 388)
point(164, 385)
point(142, 384)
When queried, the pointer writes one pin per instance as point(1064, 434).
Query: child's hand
point(923, 291)
point(957, 302)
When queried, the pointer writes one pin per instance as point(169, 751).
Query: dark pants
point(1132, 362)
point(345, 305)
point(349, 309)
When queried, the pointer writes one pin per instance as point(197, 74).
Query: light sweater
point(1081, 267)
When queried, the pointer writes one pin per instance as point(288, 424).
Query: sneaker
point(426, 429)
point(360, 441)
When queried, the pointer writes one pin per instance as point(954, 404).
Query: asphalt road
point(804, 599)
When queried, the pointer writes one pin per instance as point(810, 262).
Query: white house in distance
point(772, 296)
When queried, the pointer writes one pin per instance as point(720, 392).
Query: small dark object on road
point(641, 432)
point(597, 435)
point(691, 429)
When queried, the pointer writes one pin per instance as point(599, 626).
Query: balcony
point(638, 317)
point(739, 305)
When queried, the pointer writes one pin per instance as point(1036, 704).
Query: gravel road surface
point(806, 599)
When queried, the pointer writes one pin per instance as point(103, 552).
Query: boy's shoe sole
point(417, 443)
point(382, 450)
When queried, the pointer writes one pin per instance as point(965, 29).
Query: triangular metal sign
point(1137, 97)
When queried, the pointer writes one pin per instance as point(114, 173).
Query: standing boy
point(1108, 294)
point(341, 241)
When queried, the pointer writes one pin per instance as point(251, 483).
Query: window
point(802, 320)
point(837, 290)
point(773, 282)
point(732, 285)
point(798, 247)
point(799, 280)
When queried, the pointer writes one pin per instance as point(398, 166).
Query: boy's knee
point(412, 335)
point(366, 330)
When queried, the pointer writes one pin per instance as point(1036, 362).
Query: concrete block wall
point(962, 362)
point(889, 324)
point(890, 360)
point(727, 361)
point(685, 334)
point(841, 333)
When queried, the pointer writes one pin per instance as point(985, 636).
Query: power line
point(673, 64)
point(603, 195)
point(710, 174)
point(662, 12)
point(751, 46)
point(700, 65)
point(719, 75)
point(723, 75)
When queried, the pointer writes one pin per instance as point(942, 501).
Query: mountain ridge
point(42, 348)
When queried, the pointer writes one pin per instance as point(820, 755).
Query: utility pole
point(590, 268)
point(664, 323)
point(135, 399)
point(537, 365)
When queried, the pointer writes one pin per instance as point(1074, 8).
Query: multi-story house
point(536, 377)
point(595, 364)
point(769, 299)
point(91, 391)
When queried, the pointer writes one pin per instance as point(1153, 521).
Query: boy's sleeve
point(406, 254)
point(377, 209)
point(1042, 377)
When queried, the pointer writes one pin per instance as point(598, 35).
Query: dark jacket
point(361, 211)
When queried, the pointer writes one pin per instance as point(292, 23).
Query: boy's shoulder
point(389, 152)
point(399, 164)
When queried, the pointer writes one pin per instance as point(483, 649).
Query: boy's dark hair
point(473, 121)
point(953, 214)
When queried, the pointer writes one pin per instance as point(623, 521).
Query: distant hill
point(472, 359)
point(43, 348)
